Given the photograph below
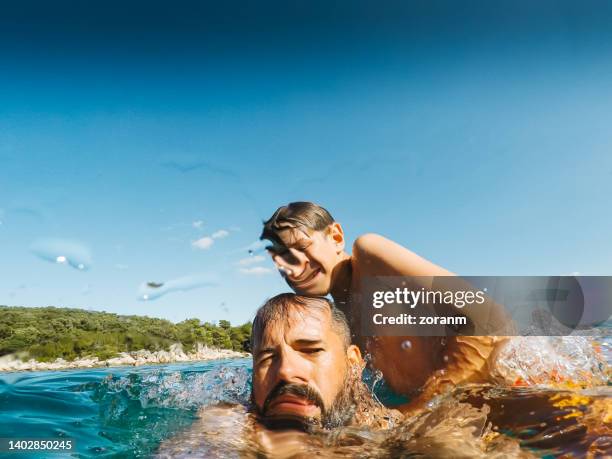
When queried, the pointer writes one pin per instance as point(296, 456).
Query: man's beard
point(340, 413)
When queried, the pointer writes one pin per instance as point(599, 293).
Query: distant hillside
point(48, 333)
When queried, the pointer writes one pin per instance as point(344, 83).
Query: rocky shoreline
point(137, 358)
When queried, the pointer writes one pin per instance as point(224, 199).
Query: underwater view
point(200, 410)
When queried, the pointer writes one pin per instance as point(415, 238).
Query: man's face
point(306, 258)
point(300, 367)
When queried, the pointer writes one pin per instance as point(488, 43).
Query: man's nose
point(289, 370)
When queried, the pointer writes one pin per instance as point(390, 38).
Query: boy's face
point(307, 258)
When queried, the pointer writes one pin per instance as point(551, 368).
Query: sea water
point(121, 411)
point(131, 411)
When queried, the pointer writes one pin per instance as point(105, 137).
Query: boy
point(308, 246)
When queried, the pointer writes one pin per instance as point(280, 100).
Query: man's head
point(306, 246)
point(303, 362)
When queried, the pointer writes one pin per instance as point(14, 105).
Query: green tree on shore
point(48, 333)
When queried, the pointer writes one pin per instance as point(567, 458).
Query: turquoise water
point(122, 411)
point(129, 411)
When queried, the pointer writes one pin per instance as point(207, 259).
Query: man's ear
point(354, 355)
point(337, 234)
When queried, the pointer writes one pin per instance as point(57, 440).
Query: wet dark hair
point(300, 214)
point(277, 308)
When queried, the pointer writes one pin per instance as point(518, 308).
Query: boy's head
point(307, 244)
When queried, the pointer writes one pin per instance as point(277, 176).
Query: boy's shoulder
point(374, 255)
point(370, 244)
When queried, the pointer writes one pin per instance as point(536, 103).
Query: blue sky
point(477, 136)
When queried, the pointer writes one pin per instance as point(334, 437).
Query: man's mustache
point(299, 390)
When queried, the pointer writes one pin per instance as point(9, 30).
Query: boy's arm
point(376, 255)
point(383, 257)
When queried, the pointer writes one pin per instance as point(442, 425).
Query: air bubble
point(445, 358)
point(407, 345)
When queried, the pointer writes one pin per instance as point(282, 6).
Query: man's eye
point(265, 358)
point(314, 350)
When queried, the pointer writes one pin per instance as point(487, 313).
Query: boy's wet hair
point(300, 214)
point(278, 308)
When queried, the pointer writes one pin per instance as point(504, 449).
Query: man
point(306, 372)
point(308, 246)
point(306, 382)
point(306, 378)
point(307, 375)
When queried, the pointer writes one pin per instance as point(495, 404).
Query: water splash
point(373, 379)
point(176, 389)
point(452, 429)
point(549, 360)
point(139, 408)
point(128, 412)
point(64, 252)
point(153, 290)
